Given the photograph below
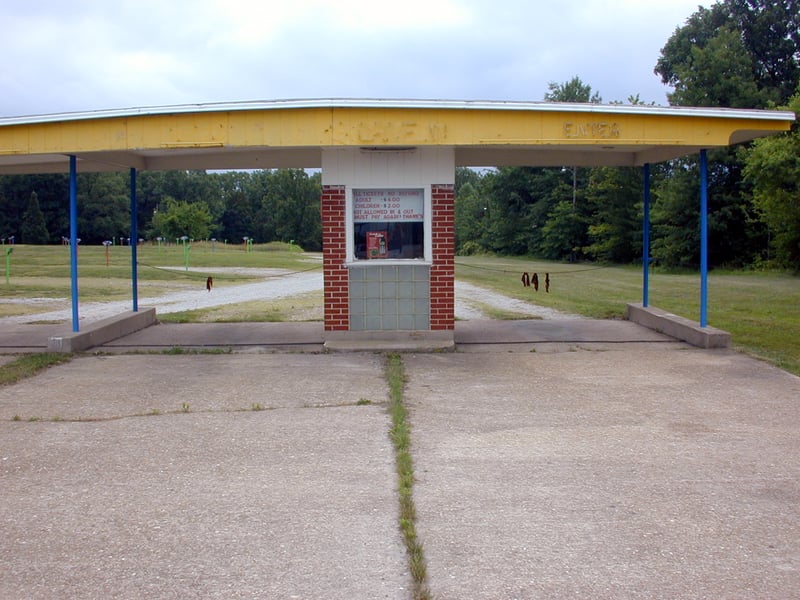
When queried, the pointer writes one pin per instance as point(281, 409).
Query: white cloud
point(90, 54)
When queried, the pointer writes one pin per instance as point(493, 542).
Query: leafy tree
point(615, 231)
point(772, 166)
point(741, 54)
point(573, 90)
point(563, 233)
point(52, 192)
point(733, 237)
point(771, 33)
point(518, 201)
point(5, 223)
point(237, 220)
point(675, 218)
point(677, 54)
point(181, 218)
point(755, 43)
point(292, 202)
point(470, 219)
point(103, 207)
point(718, 74)
point(155, 187)
point(34, 228)
point(466, 176)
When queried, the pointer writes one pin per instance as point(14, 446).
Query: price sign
point(377, 206)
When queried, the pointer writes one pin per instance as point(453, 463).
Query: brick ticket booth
point(388, 245)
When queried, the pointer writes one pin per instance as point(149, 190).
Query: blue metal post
point(134, 243)
point(73, 239)
point(646, 238)
point(703, 239)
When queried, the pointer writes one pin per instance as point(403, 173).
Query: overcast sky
point(76, 55)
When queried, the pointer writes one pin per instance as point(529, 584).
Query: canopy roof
point(294, 133)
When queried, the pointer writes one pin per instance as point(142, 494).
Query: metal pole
point(646, 238)
point(8, 265)
point(73, 238)
point(703, 239)
point(134, 243)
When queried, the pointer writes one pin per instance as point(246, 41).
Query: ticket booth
point(388, 239)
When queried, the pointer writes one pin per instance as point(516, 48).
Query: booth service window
point(389, 223)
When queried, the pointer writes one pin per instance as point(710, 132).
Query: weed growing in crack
point(401, 439)
point(29, 365)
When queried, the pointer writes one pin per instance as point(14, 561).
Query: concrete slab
point(644, 469)
point(389, 341)
point(254, 337)
point(556, 334)
point(139, 499)
point(102, 331)
point(118, 386)
point(469, 336)
point(666, 473)
point(678, 327)
point(27, 337)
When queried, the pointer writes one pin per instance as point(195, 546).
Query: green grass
point(401, 439)
point(28, 365)
point(54, 261)
point(761, 310)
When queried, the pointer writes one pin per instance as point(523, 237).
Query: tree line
point(260, 205)
point(736, 53)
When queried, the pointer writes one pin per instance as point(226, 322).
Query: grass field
point(43, 272)
point(760, 309)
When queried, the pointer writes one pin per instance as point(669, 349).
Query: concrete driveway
point(664, 473)
point(111, 490)
point(629, 470)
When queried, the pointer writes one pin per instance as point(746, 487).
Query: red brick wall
point(337, 311)
point(443, 269)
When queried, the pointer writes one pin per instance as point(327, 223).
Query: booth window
point(389, 224)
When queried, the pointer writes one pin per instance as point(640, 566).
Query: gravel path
point(275, 284)
point(468, 294)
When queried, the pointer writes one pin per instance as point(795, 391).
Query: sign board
point(398, 205)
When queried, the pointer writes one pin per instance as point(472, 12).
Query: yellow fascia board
point(317, 124)
point(271, 128)
point(428, 127)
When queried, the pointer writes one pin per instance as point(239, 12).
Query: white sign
point(375, 206)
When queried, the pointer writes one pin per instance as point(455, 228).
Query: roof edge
point(333, 103)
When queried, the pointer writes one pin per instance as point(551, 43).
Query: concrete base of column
point(389, 341)
point(678, 327)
